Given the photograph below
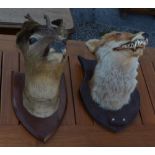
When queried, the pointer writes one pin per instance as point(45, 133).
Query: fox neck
point(116, 59)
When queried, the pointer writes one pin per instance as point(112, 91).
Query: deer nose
point(145, 35)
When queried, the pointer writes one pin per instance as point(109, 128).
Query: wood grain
point(82, 117)
point(90, 136)
point(146, 105)
point(10, 63)
point(69, 118)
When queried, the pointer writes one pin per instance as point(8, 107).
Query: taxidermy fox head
point(124, 43)
point(114, 77)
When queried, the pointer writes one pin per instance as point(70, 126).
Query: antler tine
point(48, 23)
point(29, 17)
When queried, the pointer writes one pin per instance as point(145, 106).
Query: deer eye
point(32, 40)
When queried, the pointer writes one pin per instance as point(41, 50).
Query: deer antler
point(29, 17)
point(48, 23)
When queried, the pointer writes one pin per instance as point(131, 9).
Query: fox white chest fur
point(114, 79)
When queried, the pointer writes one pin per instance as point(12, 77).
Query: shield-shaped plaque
point(41, 128)
point(113, 120)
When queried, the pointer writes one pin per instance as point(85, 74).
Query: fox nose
point(145, 35)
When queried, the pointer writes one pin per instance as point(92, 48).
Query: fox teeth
point(135, 44)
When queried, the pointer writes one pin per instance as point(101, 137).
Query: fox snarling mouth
point(133, 45)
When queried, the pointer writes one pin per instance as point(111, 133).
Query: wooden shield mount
point(112, 120)
point(41, 128)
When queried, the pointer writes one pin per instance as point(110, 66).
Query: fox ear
point(92, 44)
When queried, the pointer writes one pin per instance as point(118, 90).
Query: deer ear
point(62, 32)
point(92, 44)
point(57, 22)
